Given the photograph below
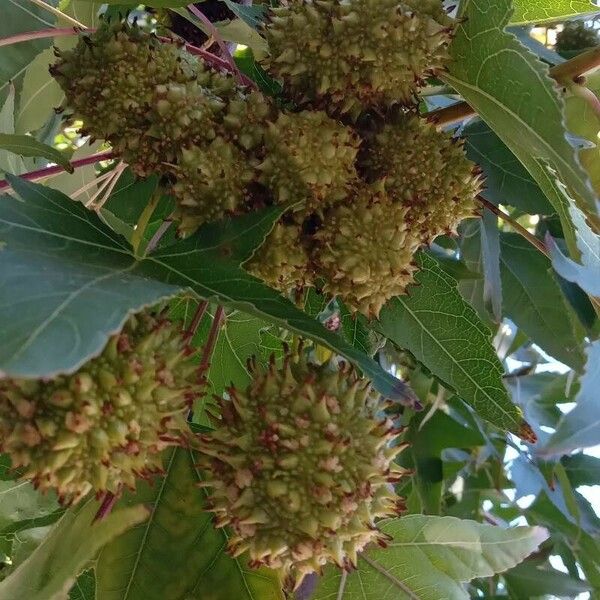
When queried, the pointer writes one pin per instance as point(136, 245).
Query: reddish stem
point(200, 310)
point(49, 171)
point(214, 32)
point(213, 336)
point(38, 35)
point(108, 502)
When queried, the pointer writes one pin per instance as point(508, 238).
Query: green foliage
point(533, 130)
point(539, 11)
point(438, 326)
point(154, 560)
point(429, 557)
point(24, 145)
point(489, 331)
point(52, 568)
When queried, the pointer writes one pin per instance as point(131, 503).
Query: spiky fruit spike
point(309, 156)
point(426, 171)
point(357, 54)
point(165, 112)
point(180, 115)
point(110, 76)
point(282, 261)
point(211, 183)
point(364, 251)
point(103, 437)
point(304, 491)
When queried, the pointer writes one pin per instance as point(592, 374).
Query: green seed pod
point(65, 446)
point(425, 170)
point(348, 56)
point(211, 183)
point(165, 112)
point(282, 261)
point(310, 156)
point(109, 78)
point(364, 251)
point(315, 470)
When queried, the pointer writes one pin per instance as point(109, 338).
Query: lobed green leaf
point(446, 335)
point(511, 90)
point(428, 558)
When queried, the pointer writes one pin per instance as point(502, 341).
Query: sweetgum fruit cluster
point(301, 466)
point(369, 181)
point(351, 55)
point(105, 425)
point(165, 112)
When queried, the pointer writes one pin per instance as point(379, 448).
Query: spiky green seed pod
point(301, 467)
point(211, 183)
point(364, 251)
point(180, 114)
point(105, 425)
point(165, 112)
point(282, 261)
point(310, 156)
point(425, 170)
point(348, 56)
point(246, 119)
point(109, 78)
point(575, 37)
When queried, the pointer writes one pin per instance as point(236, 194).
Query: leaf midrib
point(148, 524)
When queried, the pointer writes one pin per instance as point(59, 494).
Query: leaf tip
point(526, 433)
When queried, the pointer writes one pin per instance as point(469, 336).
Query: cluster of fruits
point(369, 181)
point(301, 463)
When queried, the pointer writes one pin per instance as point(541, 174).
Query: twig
point(450, 115)
point(55, 170)
point(211, 342)
point(516, 226)
point(565, 73)
point(214, 33)
point(191, 331)
point(107, 188)
point(87, 186)
point(37, 35)
point(108, 503)
point(572, 69)
point(158, 235)
point(58, 13)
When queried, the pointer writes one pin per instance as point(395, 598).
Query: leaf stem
point(58, 13)
point(191, 331)
point(142, 223)
point(108, 502)
point(41, 34)
point(565, 73)
point(213, 336)
point(55, 170)
point(515, 225)
point(158, 235)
